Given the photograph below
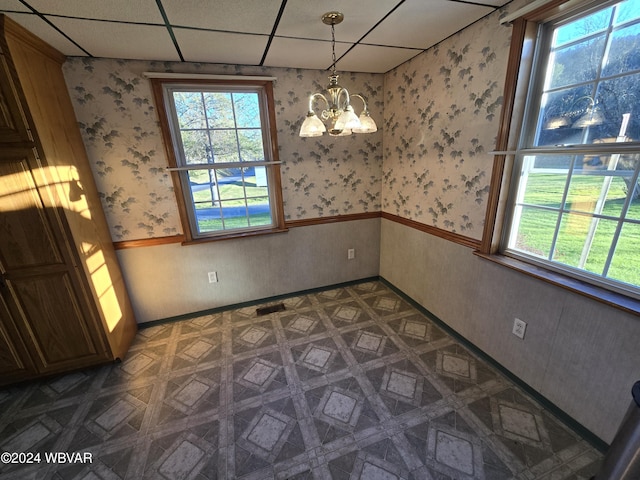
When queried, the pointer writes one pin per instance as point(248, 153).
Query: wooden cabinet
point(63, 300)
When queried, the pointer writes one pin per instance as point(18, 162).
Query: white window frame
point(515, 145)
point(163, 87)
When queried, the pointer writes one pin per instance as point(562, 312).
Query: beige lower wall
point(169, 280)
point(578, 353)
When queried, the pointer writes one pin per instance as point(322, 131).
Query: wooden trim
point(275, 177)
point(234, 236)
point(307, 222)
point(557, 8)
point(514, 97)
point(167, 143)
point(438, 232)
point(206, 76)
point(615, 300)
point(148, 242)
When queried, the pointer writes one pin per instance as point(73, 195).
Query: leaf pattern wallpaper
point(441, 119)
point(437, 115)
point(117, 117)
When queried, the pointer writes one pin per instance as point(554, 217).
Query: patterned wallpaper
point(437, 116)
point(115, 109)
point(441, 118)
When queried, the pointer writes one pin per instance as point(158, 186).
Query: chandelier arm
point(364, 101)
point(313, 96)
point(346, 93)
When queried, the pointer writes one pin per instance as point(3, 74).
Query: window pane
point(596, 194)
point(545, 190)
point(559, 111)
point(628, 162)
point(189, 109)
point(625, 265)
point(576, 63)
point(628, 10)
point(251, 146)
point(196, 147)
point(256, 181)
point(583, 27)
point(231, 185)
point(584, 242)
point(225, 146)
point(247, 110)
point(204, 191)
point(623, 55)
point(234, 215)
point(209, 220)
point(219, 110)
point(616, 98)
point(534, 231)
point(259, 211)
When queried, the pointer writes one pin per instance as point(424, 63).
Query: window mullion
point(621, 220)
point(561, 210)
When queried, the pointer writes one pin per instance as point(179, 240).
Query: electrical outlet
point(519, 327)
point(351, 254)
point(213, 277)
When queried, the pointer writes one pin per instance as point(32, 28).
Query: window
point(221, 144)
point(574, 201)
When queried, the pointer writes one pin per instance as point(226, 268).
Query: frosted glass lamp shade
point(348, 120)
point(367, 124)
point(312, 126)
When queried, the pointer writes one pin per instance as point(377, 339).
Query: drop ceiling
point(375, 36)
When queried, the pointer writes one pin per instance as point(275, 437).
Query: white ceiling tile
point(419, 24)
point(287, 52)
point(144, 11)
point(375, 59)
point(119, 40)
point(221, 47)
point(303, 18)
point(251, 16)
point(12, 6)
point(46, 32)
point(207, 30)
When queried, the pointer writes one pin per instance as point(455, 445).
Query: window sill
point(232, 236)
point(612, 299)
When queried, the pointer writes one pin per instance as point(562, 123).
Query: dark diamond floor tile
point(217, 396)
point(317, 358)
point(369, 343)
point(251, 337)
point(299, 325)
point(346, 314)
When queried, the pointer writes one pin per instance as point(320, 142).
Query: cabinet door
point(13, 126)
point(15, 362)
point(43, 290)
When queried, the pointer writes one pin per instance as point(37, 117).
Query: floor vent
point(278, 307)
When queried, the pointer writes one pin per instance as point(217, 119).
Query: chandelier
point(339, 115)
